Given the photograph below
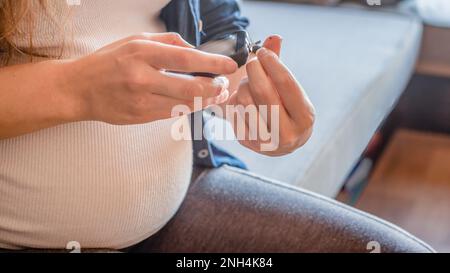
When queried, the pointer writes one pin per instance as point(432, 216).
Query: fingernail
point(264, 52)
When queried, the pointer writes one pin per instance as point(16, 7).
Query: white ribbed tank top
point(101, 185)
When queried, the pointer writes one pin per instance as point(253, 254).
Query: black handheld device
point(238, 46)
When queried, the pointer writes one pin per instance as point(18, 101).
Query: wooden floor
point(410, 186)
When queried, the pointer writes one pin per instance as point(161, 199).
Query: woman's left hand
point(269, 82)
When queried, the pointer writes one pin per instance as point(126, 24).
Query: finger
point(170, 38)
point(232, 101)
point(180, 59)
point(235, 78)
point(242, 134)
point(264, 93)
point(163, 107)
point(187, 87)
point(249, 111)
point(274, 43)
point(245, 141)
point(244, 100)
point(240, 125)
point(292, 95)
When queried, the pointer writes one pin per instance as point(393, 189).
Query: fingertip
point(178, 40)
point(184, 43)
point(272, 40)
point(252, 62)
point(265, 53)
point(231, 65)
point(275, 37)
point(251, 65)
point(188, 45)
point(274, 43)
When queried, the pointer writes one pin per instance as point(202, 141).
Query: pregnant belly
point(100, 185)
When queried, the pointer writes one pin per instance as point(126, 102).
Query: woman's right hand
point(127, 83)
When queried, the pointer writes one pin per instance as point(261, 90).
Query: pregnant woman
point(86, 152)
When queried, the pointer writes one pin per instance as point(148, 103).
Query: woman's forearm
point(124, 83)
point(34, 97)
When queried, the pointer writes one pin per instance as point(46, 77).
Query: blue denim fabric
point(199, 21)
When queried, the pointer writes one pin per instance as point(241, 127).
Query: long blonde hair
point(13, 13)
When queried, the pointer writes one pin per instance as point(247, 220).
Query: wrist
point(74, 100)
